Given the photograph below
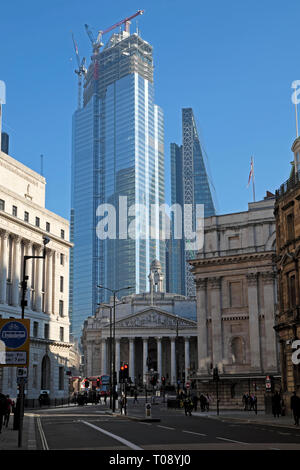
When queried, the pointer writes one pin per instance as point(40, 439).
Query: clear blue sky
point(232, 61)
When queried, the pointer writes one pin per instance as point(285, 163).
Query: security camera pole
point(20, 400)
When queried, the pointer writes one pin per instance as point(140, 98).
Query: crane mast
point(80, 72)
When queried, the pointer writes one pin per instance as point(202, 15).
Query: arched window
point(237, 350)
point(45, 383)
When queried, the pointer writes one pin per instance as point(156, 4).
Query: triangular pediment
point(153, 317)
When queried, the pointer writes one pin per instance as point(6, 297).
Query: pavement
point(9, 437)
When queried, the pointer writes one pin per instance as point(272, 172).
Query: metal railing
point(289, 184)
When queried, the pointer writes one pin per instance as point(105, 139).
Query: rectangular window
point(26, 216)
point(14, 211)
point(46, 331)
point(61, 259)
point(37, 221)
point(34, 376)
point(47, 227)
point(62, 234)
point(61, 284)
point(235, 294)
point(35, 329)
point(61, 377)
point(61, 333)
point(2, 205)
point(292, 291)
point(61, 308)
point(290, 227)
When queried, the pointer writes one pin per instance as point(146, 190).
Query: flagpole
point(253, 185)
point(296, 119)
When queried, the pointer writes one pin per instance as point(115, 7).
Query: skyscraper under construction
point(118, 150)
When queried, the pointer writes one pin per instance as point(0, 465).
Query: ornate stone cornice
point(233, 259)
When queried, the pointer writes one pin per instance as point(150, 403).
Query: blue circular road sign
point(13, 334)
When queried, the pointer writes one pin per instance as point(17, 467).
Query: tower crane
point(97, 43)
point(81, 71)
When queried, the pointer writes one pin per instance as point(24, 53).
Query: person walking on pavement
point(3, 409)
point(9, 406)
point(276, 402)
point(207, 402)
point(188, 406)
point(135, 397)
point(295, 407)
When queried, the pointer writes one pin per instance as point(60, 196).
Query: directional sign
point(14, 342)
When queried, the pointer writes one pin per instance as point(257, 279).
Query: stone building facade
point(24, 222)
point(154, 332)
point(287, 212)
point(235, 277)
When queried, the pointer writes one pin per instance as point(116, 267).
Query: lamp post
point(20, 400)
point(113, 333)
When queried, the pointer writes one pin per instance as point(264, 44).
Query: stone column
point(28, 252)
point(173, 361)
point(48, 287)
point(202, 326)
point(214, 285)
point(4, 266)
point(269, 310)
point(254, 334)
point(186, 357)
point(131, 359)
point(145, 356)
point(16, 271)
point(39, 265)
point(159, 357)
point(103, 356)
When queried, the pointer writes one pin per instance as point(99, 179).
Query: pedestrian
point(188, 406)
point(105, 397)
point(246, 401)
point(202, 400)
point(3, 409)
point(9, 406)
point(295, 407)
point(276, 405)
point(253, 403)
point(195, 400)
point(135, 396)
point(207, 402)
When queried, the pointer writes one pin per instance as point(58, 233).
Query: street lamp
point(110, 346)
point(114, 292)
point(20, 400)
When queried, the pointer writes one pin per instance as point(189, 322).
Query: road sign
point(14, 342)
point(22, 372)
point(148, 410)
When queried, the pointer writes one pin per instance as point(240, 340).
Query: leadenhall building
point(287, 213)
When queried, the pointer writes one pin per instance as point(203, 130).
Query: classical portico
point(152, 340)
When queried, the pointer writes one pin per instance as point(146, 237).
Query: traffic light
point(163, 380)
point(98, 382)
point(126, 371)
point(121, 374)
point(86, 383)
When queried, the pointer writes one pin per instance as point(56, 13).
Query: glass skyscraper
point(189, 185)
point(118, 153)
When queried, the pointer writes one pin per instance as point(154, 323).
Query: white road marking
point(196, 433)
point(114, 436)
point(42, 434)
point(165, 427)
point(231, 440)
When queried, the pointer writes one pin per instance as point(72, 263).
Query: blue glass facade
point(118, 151)
point(189, 185)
